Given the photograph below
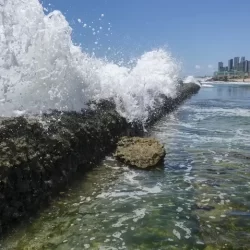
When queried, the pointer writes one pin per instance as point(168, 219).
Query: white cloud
point(197, 66)
point(210, 66)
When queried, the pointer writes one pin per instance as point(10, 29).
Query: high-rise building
point(243, 65)
point(236, 63)
point(230, 64)
point(238, 66)
point(242, 59)
point(220, 66)
point(246, 66)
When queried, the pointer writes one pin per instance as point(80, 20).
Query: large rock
point(168, 104)
point(140, 152)
point(40, 155)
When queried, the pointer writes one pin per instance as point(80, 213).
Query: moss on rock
point(40, 155)
point(140, 152)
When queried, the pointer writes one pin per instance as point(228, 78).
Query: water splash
point(189, 79)
point(41, 68)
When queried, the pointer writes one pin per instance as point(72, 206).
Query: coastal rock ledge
point(41, 155)
point(140, 152)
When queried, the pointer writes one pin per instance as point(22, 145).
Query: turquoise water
point(199, 198)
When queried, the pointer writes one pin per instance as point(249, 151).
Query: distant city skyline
point(236, 67)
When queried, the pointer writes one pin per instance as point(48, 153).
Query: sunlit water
point(199, 199)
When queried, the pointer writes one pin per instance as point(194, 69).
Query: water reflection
point(233, 91)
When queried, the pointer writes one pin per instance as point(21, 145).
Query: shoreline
point(227, 82)
point(40, 156)
point(247, 80)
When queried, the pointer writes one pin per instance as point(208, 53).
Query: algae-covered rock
point(140, 152)
point(39, 155)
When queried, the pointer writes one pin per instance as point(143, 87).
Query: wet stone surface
point(143, 153)
point(199, 200)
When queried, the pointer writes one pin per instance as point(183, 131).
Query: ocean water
point(42, 69)
point(198, 199)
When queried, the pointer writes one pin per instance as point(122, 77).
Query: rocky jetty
point(40, 155)
point(168, 104)
point(139, 152)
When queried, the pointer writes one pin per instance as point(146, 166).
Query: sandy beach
point(247, 80)
point(230, 81)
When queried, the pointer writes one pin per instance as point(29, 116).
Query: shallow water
point(199, 199)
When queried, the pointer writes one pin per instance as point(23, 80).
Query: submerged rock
point(205, 207)
point(140, 152)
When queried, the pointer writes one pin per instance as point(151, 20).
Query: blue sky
point(199, 33)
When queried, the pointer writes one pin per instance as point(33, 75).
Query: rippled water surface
point(199, 199)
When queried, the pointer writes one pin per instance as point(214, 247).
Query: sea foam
point(42, 69)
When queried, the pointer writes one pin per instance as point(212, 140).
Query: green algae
point(219, 228)
point(212, 200)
